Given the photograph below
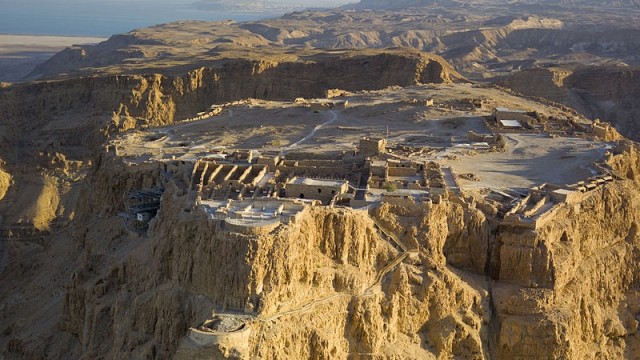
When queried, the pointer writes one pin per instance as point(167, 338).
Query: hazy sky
point(107, 17)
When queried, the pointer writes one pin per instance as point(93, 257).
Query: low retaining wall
point(236, 339)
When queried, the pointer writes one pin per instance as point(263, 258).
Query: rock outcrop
point(571, 286)
point(459, 282)
point(5, 182)
point(607, 93)
point(116, 103)
point(330, 285)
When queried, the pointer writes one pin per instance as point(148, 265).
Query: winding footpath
point(369, 291)
point(334, 117)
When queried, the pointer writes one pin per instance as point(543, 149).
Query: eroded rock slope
point(455, 279)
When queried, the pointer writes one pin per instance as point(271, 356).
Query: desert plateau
point(377, 180)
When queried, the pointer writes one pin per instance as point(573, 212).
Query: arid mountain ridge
point(387, 4)
point(481, 47)
point(107, 104)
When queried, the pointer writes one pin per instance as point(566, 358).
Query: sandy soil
point(530, 159)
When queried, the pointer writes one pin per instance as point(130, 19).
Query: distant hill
point(399, 4)
point(615, 3)
point(263, 6)
point(391, 4)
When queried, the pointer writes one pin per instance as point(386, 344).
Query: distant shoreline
point(47, 40)
point(20, 54)
point(60, 23)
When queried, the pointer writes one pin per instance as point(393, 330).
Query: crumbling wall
point(371, 147)
point(605, 131)
point(322, 192)
point(402, 171)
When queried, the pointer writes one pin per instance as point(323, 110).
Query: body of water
point(104, 18)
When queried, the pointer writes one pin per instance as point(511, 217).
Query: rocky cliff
point(607, 93)
point(315, 281)
point(572, 286)
point(475, 287)
point(330, 284)
point(100, 105)
point(453, 280)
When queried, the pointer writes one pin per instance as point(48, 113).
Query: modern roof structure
point(511, 124)
point(316, 182)
point(504, 109)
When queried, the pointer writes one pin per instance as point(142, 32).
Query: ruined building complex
point(250, 188)
point(275, 230)
point(270, 188)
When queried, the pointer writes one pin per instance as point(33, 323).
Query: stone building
point(317, 189)
point(372, 146)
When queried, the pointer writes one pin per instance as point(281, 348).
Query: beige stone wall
point(402, 171)
point(317, 192)
point(370, 147)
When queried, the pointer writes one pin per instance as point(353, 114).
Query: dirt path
point(334, 117)
point(367, 292)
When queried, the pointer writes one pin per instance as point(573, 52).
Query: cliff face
point(577, 280)
point(317, 279)
point(190, 265)
point(104, 104)
point(570, 287)
point(459, 282)
point(263, 270)
point(607, 93)
point(332, 285)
